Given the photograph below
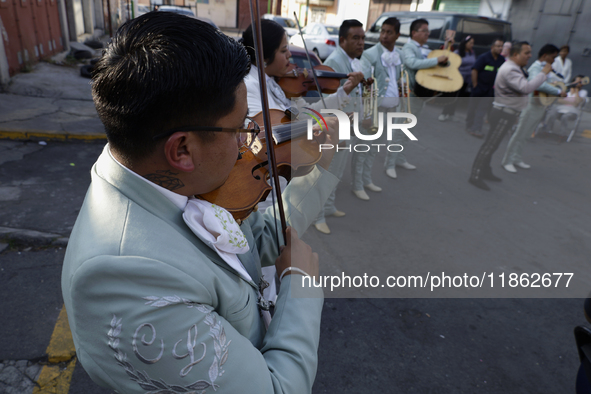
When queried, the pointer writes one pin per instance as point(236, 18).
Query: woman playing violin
point(276, 54)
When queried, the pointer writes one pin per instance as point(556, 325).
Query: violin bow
point(258, 45)
point(309, 60)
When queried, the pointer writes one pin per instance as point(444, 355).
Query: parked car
point(484, 30)
point(185, 11)
point(298, 56)
point(142, 9)
point(321, 39)
point(288, 24)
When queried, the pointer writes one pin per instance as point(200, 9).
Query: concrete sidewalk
point(51, 102)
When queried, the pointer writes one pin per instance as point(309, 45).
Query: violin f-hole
point(257, 167)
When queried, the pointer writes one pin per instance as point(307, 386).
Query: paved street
point(429, 219)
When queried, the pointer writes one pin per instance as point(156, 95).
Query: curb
point(37, 135)
point(31, 237)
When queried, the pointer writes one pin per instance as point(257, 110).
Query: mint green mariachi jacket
point(152, 309)
point(546, 87)
point(413, 61)
point(339, 61)
point(373, 57)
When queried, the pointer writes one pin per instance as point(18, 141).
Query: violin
point(298, 81)
point(248, 182)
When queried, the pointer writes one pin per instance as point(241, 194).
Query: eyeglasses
point(423, 31)
point(244, 137)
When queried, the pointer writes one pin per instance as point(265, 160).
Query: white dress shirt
point(391, 59)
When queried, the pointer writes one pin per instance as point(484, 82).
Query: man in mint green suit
point(346, 57)
point(162, 289)
point(411, 51)
point(414, 60)
point(386, 61)
point(344, 60)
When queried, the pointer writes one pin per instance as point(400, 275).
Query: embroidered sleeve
point(141, 325)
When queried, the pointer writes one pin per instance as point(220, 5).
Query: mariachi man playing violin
point(276, 54)
point(161, 288)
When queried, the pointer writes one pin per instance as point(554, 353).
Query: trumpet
point(370, 103)
point(404, 90)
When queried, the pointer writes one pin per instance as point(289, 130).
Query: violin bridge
point(256, 146)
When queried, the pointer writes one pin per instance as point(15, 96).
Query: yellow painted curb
point(55, 378)
point(61, 346)
point(586, 133)
point(50, 136)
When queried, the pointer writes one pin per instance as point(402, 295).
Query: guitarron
point(444, 78)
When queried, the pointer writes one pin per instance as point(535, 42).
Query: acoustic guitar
point(446, 77)
point(548, 99)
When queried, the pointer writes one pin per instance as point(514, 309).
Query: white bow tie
point(391, 58)
point(217, 228)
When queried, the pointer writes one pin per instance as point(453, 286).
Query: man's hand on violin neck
point(297, 253)
point(353, 79)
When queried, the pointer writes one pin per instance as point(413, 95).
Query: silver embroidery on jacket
point(190, 351)
point(216, 331)
point(146, 343)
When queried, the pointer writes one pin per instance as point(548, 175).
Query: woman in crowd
point(506, 49)
point(276, 63)
point(276, 54)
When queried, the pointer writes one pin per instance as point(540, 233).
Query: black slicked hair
point(394, 22)
point(416, 25)
point(547, 49)
point(516, 47)
point(346, 25)
point(164, 70)
point(272, 34)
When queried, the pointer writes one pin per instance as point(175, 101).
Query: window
point(405, 28)
point(483, 32)
point(289, 23)
point(435, 27)
point(332, 30)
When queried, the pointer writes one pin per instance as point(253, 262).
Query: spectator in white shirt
point(563, 65)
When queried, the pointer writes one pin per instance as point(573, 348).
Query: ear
point(180, 150)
